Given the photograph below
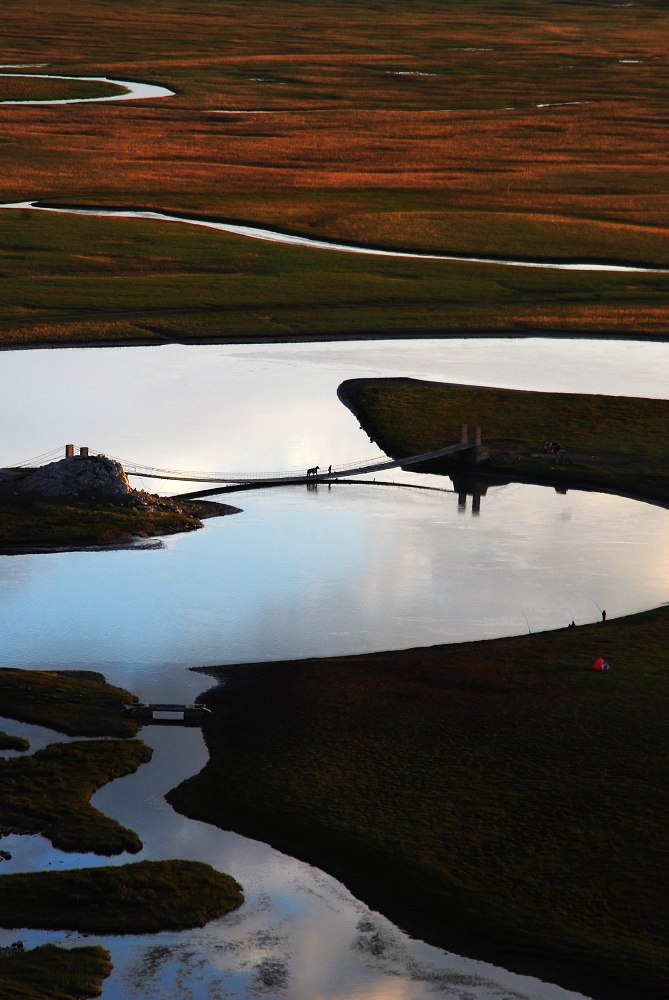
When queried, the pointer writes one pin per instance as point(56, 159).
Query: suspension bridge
point(235, 481)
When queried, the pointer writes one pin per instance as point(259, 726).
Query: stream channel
point(302, 571)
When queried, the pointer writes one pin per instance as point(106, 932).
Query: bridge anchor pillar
point(479, 452)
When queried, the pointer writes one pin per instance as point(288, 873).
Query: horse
point(314, 471)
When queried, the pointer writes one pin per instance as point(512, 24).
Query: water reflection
point(300, 933)
point(331, 571)
point(300, 573)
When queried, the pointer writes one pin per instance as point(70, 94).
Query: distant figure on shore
point(573, 624)
point(603, 616)
point(329, 470)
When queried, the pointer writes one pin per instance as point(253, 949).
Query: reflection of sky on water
point(260, 408)
point(299, 573)
point(297, 925)
point(317, 572)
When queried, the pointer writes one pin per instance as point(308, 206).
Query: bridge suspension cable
point(133, 468)
point(361, 467)
point(43, 459)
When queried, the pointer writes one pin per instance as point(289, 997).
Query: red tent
point(601, 664)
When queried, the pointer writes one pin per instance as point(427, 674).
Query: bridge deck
point(281, 479)
point(237, 481)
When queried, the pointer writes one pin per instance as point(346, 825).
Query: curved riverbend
point(273, 236)
point(134, 91)
point(296, 918)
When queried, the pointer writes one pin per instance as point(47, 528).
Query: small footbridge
point(236, 481)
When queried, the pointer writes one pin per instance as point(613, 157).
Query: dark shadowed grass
point(77, 702)
point(31, 525)
point(500, 799)
point(49, 792)
point(9, 742)
point(140, 898)
point(51, 973)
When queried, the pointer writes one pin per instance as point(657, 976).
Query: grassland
point(37, 525)
point(39, 87)
point(422, 129)
point(499, 799)
point(50, 973)
point(173, 895)
point(88, 281)
point(49, 792)
point(79, 703)
point(614, 443)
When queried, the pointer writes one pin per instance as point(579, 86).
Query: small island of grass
point(86, 501)
point(51, 973)
point(140, 898)
point(49, 792)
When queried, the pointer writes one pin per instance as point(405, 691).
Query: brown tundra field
point(532, 130)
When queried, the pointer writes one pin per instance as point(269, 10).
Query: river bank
point(496, 798)
point(34, 524)
point(609, 444)
point(49, 792)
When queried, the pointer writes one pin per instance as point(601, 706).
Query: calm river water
point(300, 572)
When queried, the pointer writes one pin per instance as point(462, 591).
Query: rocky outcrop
point(94, 476)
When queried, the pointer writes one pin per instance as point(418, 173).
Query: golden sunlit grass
point(431, 102)
point(40, 88)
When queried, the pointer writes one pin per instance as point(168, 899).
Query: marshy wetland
point(531, 133)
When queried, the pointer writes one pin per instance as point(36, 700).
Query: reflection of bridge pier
point(467, 485)
point(476, 501)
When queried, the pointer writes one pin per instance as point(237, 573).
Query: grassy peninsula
point(500, 799)
point(48, 792)
point(619, 444)
point(76, 702)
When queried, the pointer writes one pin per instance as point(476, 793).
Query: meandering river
point(277, 581)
